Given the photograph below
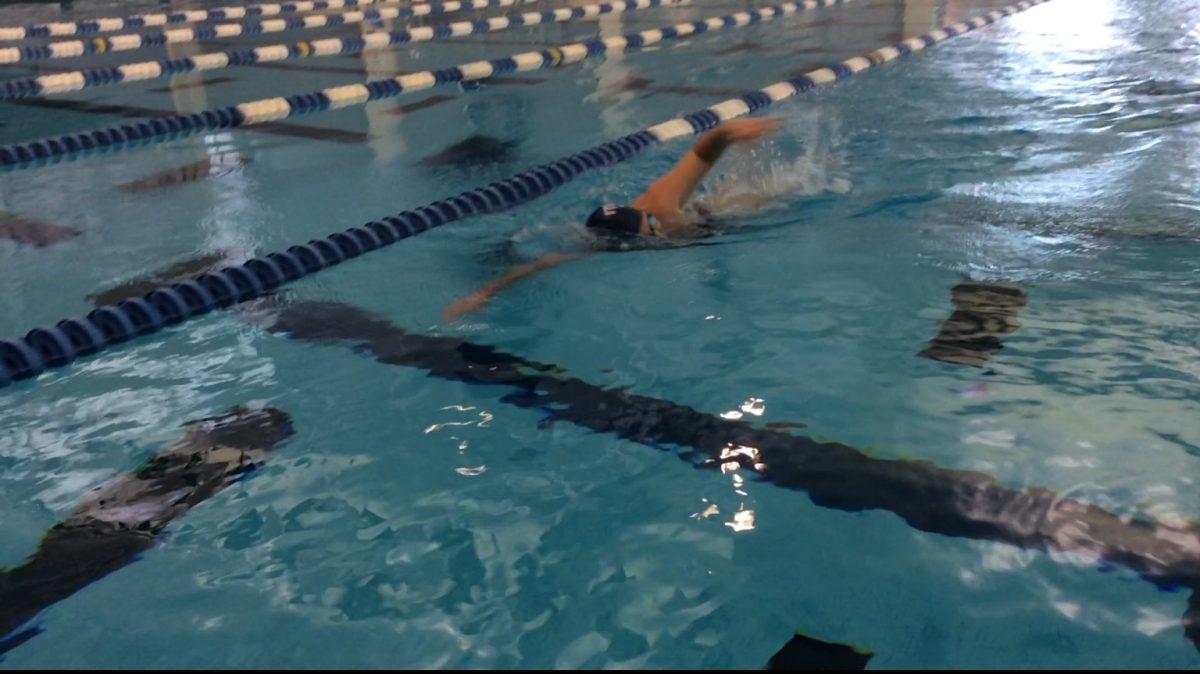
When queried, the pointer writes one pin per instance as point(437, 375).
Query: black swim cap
point(616, 220)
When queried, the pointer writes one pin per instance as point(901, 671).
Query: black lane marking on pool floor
point(409, 108)
point(804, 653)
point(175, 273)
point(38, 67)
point(1175, 439)
point(220, 165)
point(213, 166)
point(475, 150)
point(496, 41)
point(118, 521)
point(930, 498)
point(210, 82)
point(743, 47)
point(983, 313)
point(32, 231)
point(643, 84)
point(311, 68)
point(275, 128)
point(516, 80)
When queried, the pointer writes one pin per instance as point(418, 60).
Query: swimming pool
point(1039, 172)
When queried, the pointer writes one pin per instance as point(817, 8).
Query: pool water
point(431, 521)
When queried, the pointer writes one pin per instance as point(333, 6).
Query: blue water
point(419, 522)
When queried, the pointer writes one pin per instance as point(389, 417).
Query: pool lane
point(353, 95)
point(77, 80)
point(59, 345)
point(99, 25)
point(178, 36)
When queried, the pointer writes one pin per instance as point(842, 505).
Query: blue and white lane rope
point(147, 70)
point(132, 41)
point(66, 341)
point(274, 109)
point(110, 24)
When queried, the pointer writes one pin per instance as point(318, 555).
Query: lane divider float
point(273, 109)
point(147, 70)
point(132, 41)
point(72, 338)
point(110, 24)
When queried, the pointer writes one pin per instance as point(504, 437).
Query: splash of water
point(771, 175)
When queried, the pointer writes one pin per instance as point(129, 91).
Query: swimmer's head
point(622, 222)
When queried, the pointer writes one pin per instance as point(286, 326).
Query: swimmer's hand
point(749, 130)
point(467, 305)
point(479, 299)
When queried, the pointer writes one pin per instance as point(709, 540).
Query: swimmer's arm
point(477, 300)
point(733, 203)
point(665, 198)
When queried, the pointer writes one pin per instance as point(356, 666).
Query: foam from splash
point(770, 175)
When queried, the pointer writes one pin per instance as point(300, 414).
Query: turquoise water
point(415, 521)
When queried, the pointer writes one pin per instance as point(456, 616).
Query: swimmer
point(658, 213)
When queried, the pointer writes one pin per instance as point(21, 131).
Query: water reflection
point(928, 497)
point(472, 419)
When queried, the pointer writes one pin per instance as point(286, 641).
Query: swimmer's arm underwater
point(665, 198)
point(477, 300)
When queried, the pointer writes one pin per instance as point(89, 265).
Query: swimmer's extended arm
point(664, 199)
point(478, 299)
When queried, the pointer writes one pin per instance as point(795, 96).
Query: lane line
point(149, 70)
point(32, 231)
point(112, 24)
point(276, 128)
point(69, 339)
point(273, 109)
point(134, 41)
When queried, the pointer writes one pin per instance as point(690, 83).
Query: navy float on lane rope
point(147, 70)
point(132, 41)
point(110, 24)
point(274, 109)
point(69, 339)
